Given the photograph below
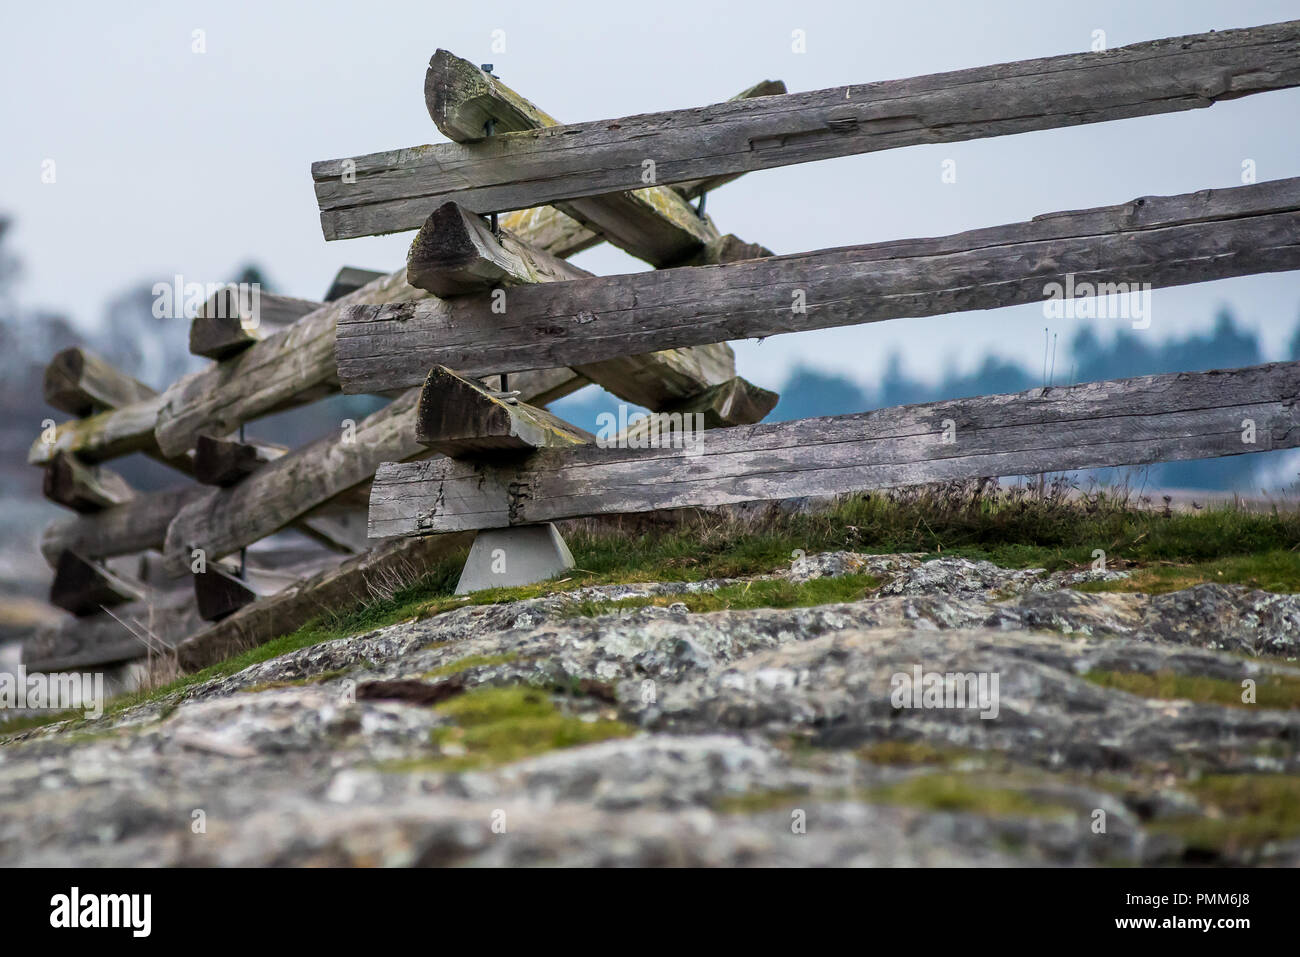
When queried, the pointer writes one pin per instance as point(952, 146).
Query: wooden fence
point(125, 563)
point(488, 323)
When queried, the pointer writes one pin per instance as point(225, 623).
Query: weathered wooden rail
point(1156, 240)
point(1121, 422)
point(394, 190)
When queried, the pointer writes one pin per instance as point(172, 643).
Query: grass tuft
point(1020, 527)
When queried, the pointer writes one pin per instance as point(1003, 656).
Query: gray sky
point(169, 161)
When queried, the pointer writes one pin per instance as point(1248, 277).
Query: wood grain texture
point(363, 578)
point(458, 417)
point(394, 190)
point(289, 368)
point(1164, 241)
point(128, 411)
point(455, 253)
point(695, 188)
point(462, 99)
point(655, 224)
point(1120, 422)
point(81, 383)
point(548, 228)
point(662, 381)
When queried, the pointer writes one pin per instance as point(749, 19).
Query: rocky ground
point(526, 733)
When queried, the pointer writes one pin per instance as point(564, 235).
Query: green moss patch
point(1277, 570)
point(963, 793)
point(938, 791)
point(1241, 811)
point(296, 682)
point(921, 753)
point(494, 726)
point(1271, 691)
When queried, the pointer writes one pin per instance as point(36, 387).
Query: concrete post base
point(508, 557)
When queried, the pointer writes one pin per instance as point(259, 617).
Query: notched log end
point(61, 378)
point(450, 254)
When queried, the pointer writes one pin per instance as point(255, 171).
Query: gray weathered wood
point(81, 383)
point(133, 526)
point(660, 380)
point(663, 380)
point(349, 279)
point(292, 367)
point(106, 435)
point(116, 430)
point(365, 577)
point(226, 461)
point(395, 190)
point(655, 224)
point(734, 402)
point(83, 588)
point(695, 188)
point(1121, 422)
point(461, 418)
point(218, 593)
point(462, 99)
point(289, 368)
point(226, 519)
point(1164, 241)
point(455, 253)
point(81, 487)
point(547, 228)
point(342, 531)
point(229, 322)
point(727, 249)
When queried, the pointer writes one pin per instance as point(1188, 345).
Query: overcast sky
point(171, 161)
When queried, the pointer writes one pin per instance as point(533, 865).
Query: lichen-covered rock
point(1094, 728)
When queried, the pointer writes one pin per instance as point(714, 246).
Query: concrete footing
point(508, 557)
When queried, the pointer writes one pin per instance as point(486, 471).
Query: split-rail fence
point(489, 322)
